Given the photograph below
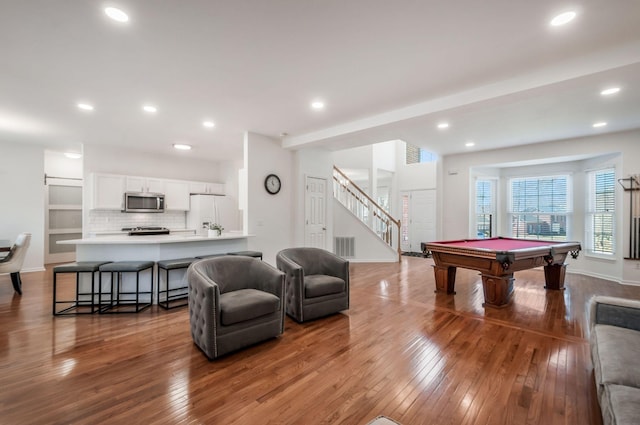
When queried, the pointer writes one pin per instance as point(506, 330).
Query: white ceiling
point(386, 69)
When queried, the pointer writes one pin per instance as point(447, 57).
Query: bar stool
point(168, 295)
point(83, 300)
point(254, 254)
point(115, 301)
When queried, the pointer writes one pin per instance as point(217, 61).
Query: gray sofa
point(317, 282)
point(615, 351)
point(234, 302)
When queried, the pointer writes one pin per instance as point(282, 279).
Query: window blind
point(602, 208)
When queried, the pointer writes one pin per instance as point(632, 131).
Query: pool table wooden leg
point(497, 290)
point(445, 279)
point(554, 276)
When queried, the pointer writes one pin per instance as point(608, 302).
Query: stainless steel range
point(146, 230)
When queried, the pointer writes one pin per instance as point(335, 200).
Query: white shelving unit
point(63, 218)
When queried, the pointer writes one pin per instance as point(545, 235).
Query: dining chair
point(12, 263)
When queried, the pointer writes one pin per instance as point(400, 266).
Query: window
point(601, 211)
point(539, 207)
point(415, 155)
point(485, 208)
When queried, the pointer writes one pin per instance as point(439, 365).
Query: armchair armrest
point(294, 278)
point(204, 310)
point(268, 279)
point(293, 272)
point(614, 311)
point(338, 266)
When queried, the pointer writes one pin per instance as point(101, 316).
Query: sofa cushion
point(318, 285)
point(246, 304)
point(621, 405)
point(615, 351)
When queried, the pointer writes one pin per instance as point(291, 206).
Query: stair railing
point(366, 209)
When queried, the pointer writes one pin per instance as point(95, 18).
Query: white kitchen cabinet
point(176, 195)
point(207, 188)
point(108, 191)
point(144, 184)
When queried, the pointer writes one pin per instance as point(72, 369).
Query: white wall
point(368, 246)
point(269, 217)
point(456, 176)
point(58, 165)
point(414, 176)
point(384, 155)
point(22, 198)
point(359, 158)
point(180, 165)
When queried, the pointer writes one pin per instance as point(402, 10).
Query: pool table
point(497, 259)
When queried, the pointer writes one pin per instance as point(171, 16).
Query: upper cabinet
point(208, 188)
point(144, 184)
point(107, 191)
point(176, 195)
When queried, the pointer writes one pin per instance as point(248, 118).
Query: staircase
point(379, 221)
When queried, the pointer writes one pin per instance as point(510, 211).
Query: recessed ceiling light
point(562, 19)
point(443, 125)
point(610, 91)
point(208, 124)
point(150, 109)
point(599, 124)
point(317, 105)
point(116, 14)
point(85, 106)
point(469, 144)
point(182, 146)
point(73, 155)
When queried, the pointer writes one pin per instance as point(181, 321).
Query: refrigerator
point(205, 209)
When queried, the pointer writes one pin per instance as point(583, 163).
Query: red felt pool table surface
point(497, 259)
point(499, 244)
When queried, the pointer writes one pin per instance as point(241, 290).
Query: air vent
point(344, 246)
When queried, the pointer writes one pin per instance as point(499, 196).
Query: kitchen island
point(123, 247)
point(155, 247)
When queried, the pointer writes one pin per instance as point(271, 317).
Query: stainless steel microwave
point(143, 202)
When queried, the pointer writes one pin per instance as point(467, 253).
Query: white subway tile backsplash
point(107, 221)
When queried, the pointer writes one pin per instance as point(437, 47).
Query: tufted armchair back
point(315, 261)
point(232, 272)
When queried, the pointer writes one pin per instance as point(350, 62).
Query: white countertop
point(151, 239)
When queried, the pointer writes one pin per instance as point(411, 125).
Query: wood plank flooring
point(400, 351)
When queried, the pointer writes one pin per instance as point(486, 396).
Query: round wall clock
point(272, 184)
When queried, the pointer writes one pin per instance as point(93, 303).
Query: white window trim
point(588, 218)
point(568, 214)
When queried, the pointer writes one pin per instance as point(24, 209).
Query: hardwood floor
point(400, 351)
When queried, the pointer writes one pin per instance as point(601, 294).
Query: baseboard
point(33, 269)
point(368, 260)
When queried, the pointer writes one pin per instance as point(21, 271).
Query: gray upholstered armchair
point(234, 302)
point(317, 282)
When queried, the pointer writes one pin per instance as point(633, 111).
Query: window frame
point(567, 213)
point(591, 212)
point(493, 207)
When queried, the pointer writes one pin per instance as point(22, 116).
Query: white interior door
point(315, 212)
point(420, 219)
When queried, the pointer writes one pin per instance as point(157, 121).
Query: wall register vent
point(344, 246)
